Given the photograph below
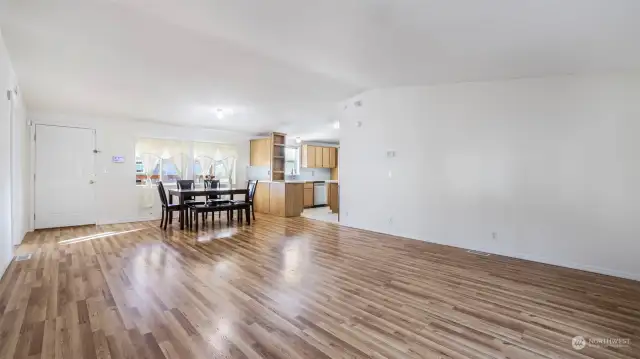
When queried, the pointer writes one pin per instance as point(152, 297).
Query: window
point(170, 171)
point(214, 159)
point(292, 158)
point(202, 168)
point(169, 161)
point(147, 168)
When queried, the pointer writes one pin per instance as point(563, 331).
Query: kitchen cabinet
point(333, 195)
point(308, 156)
point(308, 195)
point(269, 152)
point(334, 174)
point(261, 197)
point(260, 152)
point(333, 157)
point(277, 150)
point(319, 157)
point(325, 157)
point(277, 199)
point(282, 199)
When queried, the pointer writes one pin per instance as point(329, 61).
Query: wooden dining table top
point(206, 191)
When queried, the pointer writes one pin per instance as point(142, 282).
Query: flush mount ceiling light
point(298, 140)
point(221, 112)
point(336, 125)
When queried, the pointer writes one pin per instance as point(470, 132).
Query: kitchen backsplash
point(312, 174)
point(258, 173)
point(306, 174)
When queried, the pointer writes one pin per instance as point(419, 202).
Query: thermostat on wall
point(117, 159)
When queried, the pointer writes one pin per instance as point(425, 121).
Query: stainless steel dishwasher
point(319, 194)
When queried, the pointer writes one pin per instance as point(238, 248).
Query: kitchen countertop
point(299, 181)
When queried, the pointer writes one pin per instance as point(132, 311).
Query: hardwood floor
point(297, 288)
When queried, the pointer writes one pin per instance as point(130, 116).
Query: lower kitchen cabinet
point(281, 199)
point(308, 196)
point(333, 197)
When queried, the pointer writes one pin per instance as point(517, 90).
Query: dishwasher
point(319, 194)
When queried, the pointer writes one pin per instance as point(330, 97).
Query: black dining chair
point(167, 209)
point(226, 207)
point(188, 184)
point(252, 185)
point(216, 199)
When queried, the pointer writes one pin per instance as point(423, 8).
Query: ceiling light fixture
point(222, 112)
point(336, 125)
point(298, 140)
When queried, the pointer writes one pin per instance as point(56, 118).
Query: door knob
point(92, 181)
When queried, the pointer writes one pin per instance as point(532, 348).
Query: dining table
point(200, 192)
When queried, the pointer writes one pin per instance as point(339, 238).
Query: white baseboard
point(523, 256)
point(579, 266)
point(128, 220)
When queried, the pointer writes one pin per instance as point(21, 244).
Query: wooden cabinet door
point(308, 197)
point(333, 197)
point(260, 152)
point(326, 151)
point(318, 157)
point(311, 156)
point(261, 199)
point(333, 156)
point(304, 156)
point(277, 199)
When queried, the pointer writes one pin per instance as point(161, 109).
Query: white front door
point(64, 190)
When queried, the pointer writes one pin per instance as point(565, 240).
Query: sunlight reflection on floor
point(96, 236)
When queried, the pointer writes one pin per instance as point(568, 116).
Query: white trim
point(32, 171)
point(522, 256)
point(12, 140)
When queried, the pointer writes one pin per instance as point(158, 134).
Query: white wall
point(117, 196)
point(550, 165)
point(13, 135)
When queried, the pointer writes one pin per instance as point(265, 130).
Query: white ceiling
point(285, 64)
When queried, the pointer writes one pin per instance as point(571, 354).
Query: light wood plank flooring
point(297, 288)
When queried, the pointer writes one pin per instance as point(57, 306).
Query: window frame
point(296, 161)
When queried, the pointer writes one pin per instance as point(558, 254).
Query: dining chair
point(252, 186)
point(229, 207)
point(188, 184)
point(167, 209)
point(215, 199)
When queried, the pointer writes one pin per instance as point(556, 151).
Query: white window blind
point(171, 160)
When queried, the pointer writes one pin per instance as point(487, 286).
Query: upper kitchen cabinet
point(325, 157)
point(278, 141)
point(308, 154)
point(333, 157)
point(269, 152)
point(260, 152)
point(319, 157)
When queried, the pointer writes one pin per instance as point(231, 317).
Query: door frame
point(34, 131)
point(12, 141)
